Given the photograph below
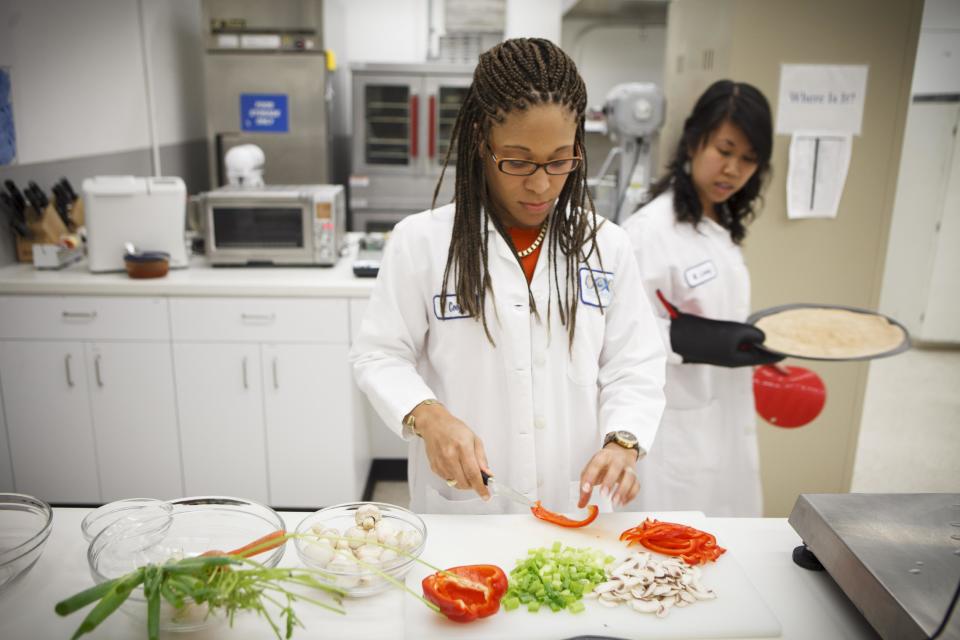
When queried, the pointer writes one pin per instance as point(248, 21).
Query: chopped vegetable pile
point(557, 577)
point(671, 539)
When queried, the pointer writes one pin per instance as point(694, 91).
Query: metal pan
point(903, 346)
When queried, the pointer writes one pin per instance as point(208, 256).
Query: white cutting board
point(738, 611)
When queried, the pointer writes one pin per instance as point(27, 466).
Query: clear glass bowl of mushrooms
point(360, 546)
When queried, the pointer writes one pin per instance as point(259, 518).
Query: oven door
point(259, 232)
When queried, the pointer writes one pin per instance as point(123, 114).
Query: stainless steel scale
point(896, 556)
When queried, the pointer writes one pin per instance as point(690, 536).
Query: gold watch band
point(411, 422)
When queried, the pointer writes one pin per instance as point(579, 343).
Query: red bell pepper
point(558, 519)
point(692, 545)
point(474, 591)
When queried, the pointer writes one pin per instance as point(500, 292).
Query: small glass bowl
point(25, 524)
point(178, 529)
point(102, 517)
point(360, 581)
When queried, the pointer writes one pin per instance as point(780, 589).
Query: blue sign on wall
point(264, 112)
point(8, 136)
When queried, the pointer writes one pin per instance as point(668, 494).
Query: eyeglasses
point(513, 167)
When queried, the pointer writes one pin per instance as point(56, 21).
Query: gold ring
point(451, 483)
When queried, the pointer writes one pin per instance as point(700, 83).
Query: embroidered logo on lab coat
point(453, 309)
point(596, 287)
point(700, 273)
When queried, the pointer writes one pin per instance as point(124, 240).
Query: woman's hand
point(455, 452)
point(612, 465)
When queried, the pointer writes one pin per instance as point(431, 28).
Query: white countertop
point(199, 279)
point(807, 604)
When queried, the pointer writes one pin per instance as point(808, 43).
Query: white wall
point(384, 30)
point(938, 54)
point(612, 52)
point(534, 19)
point(78, 80)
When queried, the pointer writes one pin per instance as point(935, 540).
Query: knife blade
point(499, 489)
point(61, 202)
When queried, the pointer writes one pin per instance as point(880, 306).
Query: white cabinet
point(48, 420)
point(88, 397)
point(266, 400)
point(134, 419)
point(221, 419)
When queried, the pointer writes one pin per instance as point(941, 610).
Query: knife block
point(45, 228)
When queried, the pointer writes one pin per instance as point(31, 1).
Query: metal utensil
point(499, 489)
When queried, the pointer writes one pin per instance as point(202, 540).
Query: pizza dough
point(829, 333)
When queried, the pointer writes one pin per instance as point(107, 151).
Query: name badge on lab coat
point(700, 273)
point(452, 308)
point(596, 287)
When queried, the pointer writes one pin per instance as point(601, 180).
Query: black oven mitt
point(700, 340)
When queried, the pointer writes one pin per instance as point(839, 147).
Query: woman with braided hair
point(508, 331)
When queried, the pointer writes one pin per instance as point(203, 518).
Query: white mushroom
point(385, 528)
point(368, 553)
point(321, 553)
point(410, 539)
point(387, 555)
point(355, 537)
point(367, 516)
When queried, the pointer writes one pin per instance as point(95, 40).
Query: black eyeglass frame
point(536, 165)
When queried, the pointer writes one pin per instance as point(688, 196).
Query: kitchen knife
point(68, 189)
point(16, 195)
point(39, 194)
point(61, 202)
point(16, 221)
point(502, 490)
point(35, 202)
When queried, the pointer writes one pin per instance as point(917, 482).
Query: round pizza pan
point(903, 346)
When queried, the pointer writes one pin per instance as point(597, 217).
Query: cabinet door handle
point(246, 384)
point(79, 315)
point(96, 370)
point(258, 317)
point(66, 365)
point(276, 380)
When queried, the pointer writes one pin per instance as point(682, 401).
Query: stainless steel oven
point(275, 225)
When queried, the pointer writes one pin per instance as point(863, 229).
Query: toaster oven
point(274, 225)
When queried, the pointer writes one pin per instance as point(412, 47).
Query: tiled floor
point(909, 434)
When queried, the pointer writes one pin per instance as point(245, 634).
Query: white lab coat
point(705, 456)
point(540, 410)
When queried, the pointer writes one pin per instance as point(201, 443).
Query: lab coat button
point(539, 422)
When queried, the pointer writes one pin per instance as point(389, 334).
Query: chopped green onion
point(555, 576)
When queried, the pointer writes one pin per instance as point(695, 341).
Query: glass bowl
point(99, 519)
point(25, 524)
point(323, 528)
point(178, 529)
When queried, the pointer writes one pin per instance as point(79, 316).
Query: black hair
point(515, 75)
point(744, 106)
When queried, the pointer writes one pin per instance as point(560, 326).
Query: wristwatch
point(625, 439)
point(411, 422)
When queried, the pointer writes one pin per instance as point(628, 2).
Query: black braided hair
point(744, 106)
point(512, 76)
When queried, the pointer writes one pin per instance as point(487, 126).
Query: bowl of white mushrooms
point(360, 546)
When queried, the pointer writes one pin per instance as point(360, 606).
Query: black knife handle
point(486, 477)
point(68, 189)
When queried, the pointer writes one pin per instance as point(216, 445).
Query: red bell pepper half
point(474, 591)
point(561, 520)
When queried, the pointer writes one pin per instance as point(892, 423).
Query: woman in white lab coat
point(687, 241)
point(509, 329)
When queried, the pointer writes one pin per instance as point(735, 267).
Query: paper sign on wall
point(818, 170)
point(821, 98)
point(264, 112)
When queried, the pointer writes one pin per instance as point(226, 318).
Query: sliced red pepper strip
point(690, 544)
point(562, 520)
point(476, 594)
